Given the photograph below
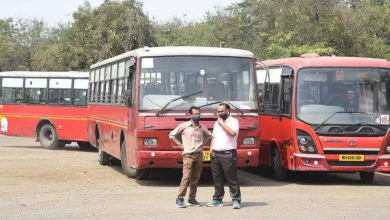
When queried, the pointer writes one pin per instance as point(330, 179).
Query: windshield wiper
point(318, 126)
point(175, 99)
point(242, 113)
point(364, 123)
point(213, 103)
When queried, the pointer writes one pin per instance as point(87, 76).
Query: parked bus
point(50, 106)
point(138, 97)
point(325, 114)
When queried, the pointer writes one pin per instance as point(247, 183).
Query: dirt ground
point(70, 184)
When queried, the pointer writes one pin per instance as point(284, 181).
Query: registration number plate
point(351, 158)
point(206, 155)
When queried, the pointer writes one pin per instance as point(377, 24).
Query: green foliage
point(109, 30)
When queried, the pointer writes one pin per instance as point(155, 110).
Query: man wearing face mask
point(224, 157)
point(192, 135)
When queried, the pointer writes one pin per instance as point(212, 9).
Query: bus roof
point(178, 51)
point(327, 61)
point(45, 74)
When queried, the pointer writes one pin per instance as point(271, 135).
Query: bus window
point(12, 90)
point(60, 91)
point(80, 91)
point(36, 90)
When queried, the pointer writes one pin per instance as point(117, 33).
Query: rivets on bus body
point(153, 154)
point(249, 153)
point(315, 162)
point(306, 161)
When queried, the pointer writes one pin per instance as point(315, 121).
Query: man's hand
point(181, 146)
point(220, 121)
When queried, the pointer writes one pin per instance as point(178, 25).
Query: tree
point(109, 30)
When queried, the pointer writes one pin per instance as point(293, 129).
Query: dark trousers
point(223, 164)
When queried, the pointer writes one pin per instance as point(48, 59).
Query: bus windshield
point(321, 92)
point(220, 78)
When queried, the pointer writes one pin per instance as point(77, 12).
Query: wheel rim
point(48, 136)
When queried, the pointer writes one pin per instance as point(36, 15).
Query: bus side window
point(80, 91)
point(286, 96)
point(286, 91)
point(36, 90)
point(270, 89)
point(60, 91)
point(12, 90)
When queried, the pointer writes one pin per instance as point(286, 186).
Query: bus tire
point(104, 158)
point(280, 174)
point(134, 173)
point(367, 177)
point(84, 145)
point(48, 137)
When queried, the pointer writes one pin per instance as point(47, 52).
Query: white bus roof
point(45, 74)
point(178, 51)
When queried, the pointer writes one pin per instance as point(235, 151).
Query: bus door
point(283, 124)
point(276, 110)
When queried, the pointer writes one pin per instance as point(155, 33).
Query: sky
point(53, 11)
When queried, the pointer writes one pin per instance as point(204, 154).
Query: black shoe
point(193, 202)
point(180, 203)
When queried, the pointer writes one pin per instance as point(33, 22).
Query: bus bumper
point(330, 163)
point(174, 159)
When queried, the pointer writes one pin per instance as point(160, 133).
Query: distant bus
point(138, 97)
point(325, 114)
point(50, 106)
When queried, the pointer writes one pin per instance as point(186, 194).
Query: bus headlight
point(388, 149)
point(248, 141)
point(305, 142)
point(150, 142)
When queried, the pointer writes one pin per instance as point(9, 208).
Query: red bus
point(138, 97)
point(50, 106)
point(325, 114)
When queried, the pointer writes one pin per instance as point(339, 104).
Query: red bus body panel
point(70, 122)
point(281, 132)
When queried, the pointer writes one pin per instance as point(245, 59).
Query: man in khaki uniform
point(192, 135)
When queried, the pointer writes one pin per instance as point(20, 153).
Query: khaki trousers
point(192, 169)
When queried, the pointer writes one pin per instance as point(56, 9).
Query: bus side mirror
point(127, 97)
point(132, 63)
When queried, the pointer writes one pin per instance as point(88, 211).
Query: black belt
point(224, 151)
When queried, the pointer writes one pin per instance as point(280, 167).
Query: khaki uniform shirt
point(192, 137)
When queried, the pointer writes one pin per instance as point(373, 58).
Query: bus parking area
point(69, 183)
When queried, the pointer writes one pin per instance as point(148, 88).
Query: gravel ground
point(70, 184)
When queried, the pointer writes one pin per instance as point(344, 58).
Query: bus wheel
point(84, 145)
point(48, 137)
point(367, 177)
point(104, 158)
point(280, 173)
point(138, 174)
